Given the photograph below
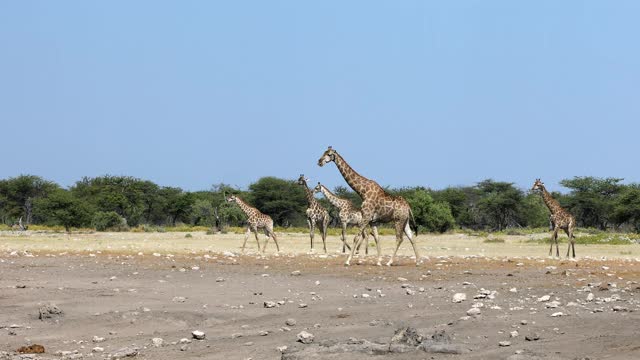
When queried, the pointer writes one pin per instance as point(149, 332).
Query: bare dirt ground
point(131, 288)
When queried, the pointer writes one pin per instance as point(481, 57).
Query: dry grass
point(292, 243)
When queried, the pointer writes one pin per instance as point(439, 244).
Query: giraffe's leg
point(374, 232)
point(555, 232)
point(271, 233)
point(325, 225)
point(572, 241)
point(407, 231)
point(246, 236)
point(555, 239)
point(312, 225)
point(399, 237)
point(344, 238)
point(356, 242)
point(255, 232)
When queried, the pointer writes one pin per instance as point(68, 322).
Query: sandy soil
point(131, 288)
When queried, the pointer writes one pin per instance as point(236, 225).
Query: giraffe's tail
point(413, 221)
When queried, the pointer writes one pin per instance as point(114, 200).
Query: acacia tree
point(283, 200)
point(592, 200)
point(61, 208)
point(17, 195)
point(627, 207)
point(499, 203)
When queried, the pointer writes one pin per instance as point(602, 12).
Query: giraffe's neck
point(333, 199)
point(356, 181)
point(248, 210)
point(310, 198)
point(551, 203)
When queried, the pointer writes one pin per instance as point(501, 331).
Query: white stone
point(97, 339)
point(459, 297)
point(544, 298)
point(305, 337)
point(198, 335)
point(552, 304)
point(590, 297)
point(473, 311)
point(157, 342)
point(504, 343)
point(557, 314)
point(269, 304)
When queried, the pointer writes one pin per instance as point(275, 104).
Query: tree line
point(122, 202)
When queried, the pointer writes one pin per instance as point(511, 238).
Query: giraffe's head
point(232, 198)
point(318, 188)
point(302, 180)
point(538, 185)
point(328, 156)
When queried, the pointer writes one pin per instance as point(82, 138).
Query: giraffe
point(377, 206)
point(256, 220)
point(316, 214)
point(559, 219)
point(19, 226)
point(347, 213)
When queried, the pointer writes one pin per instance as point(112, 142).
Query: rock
point(552, 304)
point(523, 322)
point(97, 349)
point(31, 349)
point(263, 333)
point(504, 343)
point(409, 292)
point(513, 290)
point(49, 311)
point(124, 353)
point(290, 322)
point(296, 273)
point(270, 304)
point(179, 299)
point(474, 311)
point(590, 297)
point(514, 333)
point(619, 308)
point(198, 335)
point(557, 314)
point(459, 297)
point(544, 298)
point(532, 337)
point(305, 337)
point(97, 339)
point(184, 341)
point(402, 279)
point(406, 335)
point(220, 279)
point(157, 342)
point(282, 349)
point(302, 305)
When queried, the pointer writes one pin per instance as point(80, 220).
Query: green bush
point(109, 221)
point(188, 236)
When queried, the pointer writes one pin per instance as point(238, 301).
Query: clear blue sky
point(192, 93)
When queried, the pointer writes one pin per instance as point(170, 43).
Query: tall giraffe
point(377, 206)
point(256, 221)
point(559, 218)
point(316, 214)
point(348, 214)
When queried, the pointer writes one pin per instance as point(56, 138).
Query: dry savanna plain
point(142, 296)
